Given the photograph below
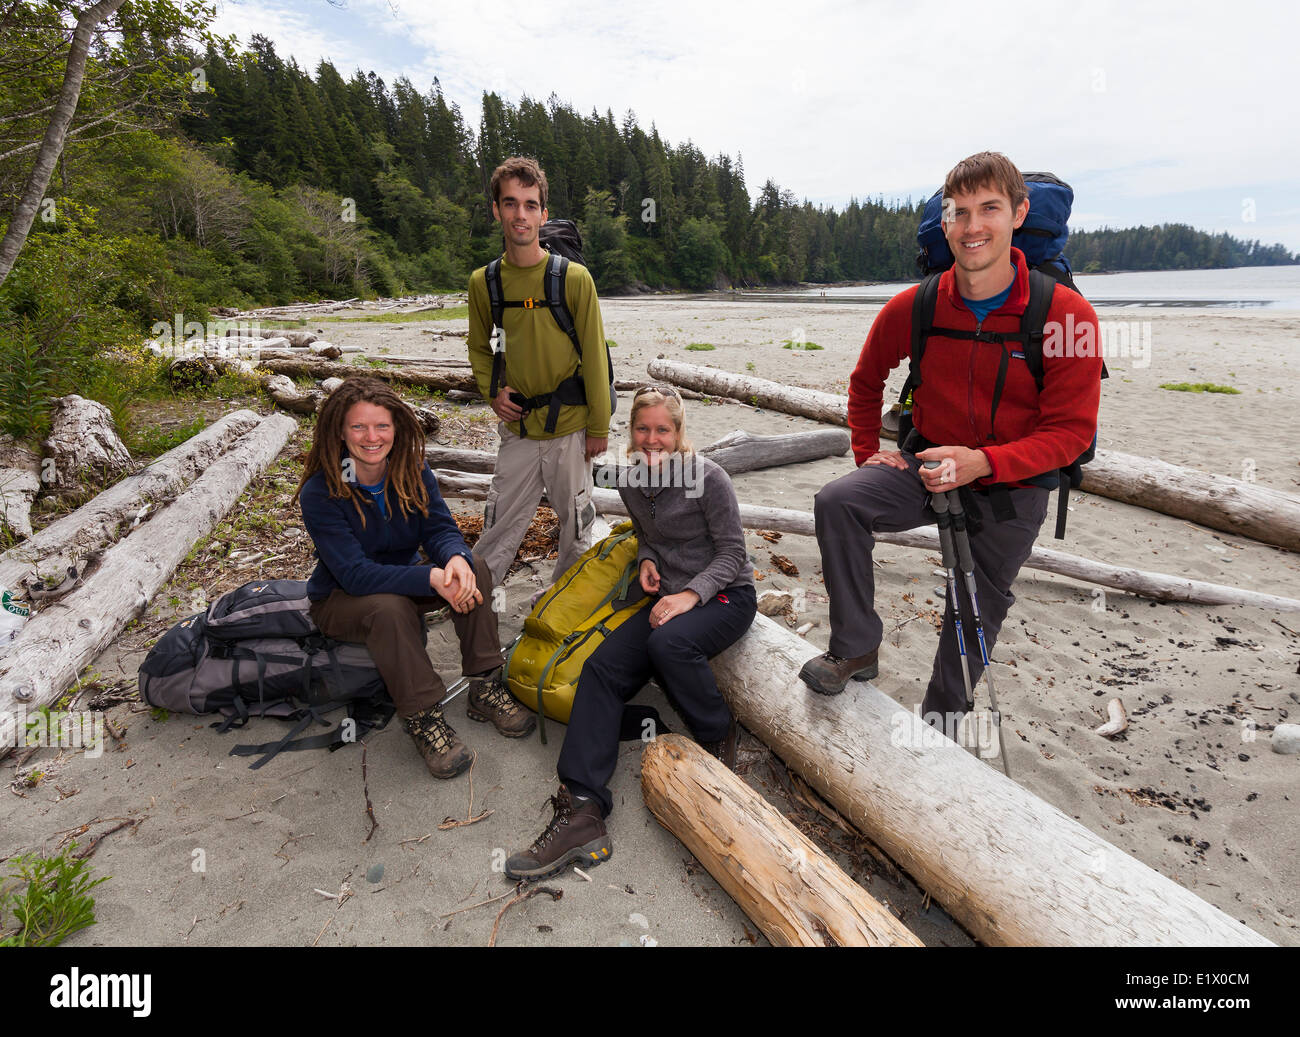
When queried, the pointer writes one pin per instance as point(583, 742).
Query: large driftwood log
point(809, 403)
point(1218, 501)
point(1011, 868)
point(460, 460)
point(67, 540)
point(56, 643)
point(1158, 586)
point(781, 879)
point(739, 451)
point(435, 379)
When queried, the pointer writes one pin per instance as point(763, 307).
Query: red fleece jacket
point(1036, 432)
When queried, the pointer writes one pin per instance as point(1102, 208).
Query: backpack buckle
point(529, 303)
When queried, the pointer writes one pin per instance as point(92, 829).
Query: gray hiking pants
point(879, 499)
point(527, 468)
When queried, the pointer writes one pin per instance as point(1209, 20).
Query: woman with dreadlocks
point(369, 500)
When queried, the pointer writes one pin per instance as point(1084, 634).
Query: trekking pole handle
point(938, 499)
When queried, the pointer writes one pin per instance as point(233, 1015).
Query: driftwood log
point(734, 453)
point(56, 643)
point(20, 481)
point(67, 540)
point(1157, 586)
point(781, 879)
point(739, 451)
point(808, 403)
point(450, 379)
point(1218, 501)
point(1011, 868)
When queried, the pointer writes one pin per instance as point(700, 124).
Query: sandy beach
point(1192, 789)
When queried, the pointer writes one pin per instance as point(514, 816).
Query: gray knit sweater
point(690, 528)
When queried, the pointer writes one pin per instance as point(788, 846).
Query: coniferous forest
point(196, 175)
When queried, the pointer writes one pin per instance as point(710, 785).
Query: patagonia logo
point(724, 599)
point(1017, 355)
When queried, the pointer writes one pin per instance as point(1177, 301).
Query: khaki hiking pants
point(527, 468)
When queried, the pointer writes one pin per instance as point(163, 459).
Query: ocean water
point(1270, 287)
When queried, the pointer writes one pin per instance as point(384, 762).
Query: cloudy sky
point(1154, 112)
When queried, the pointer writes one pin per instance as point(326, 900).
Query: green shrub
point(52, 900)
point(791, 344)
point(700, 346)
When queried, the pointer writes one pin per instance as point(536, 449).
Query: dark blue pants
point(677, 654)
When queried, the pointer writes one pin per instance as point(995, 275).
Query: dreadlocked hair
point(405, 460)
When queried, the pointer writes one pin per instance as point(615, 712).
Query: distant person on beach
point(692, 559)
point(369, 501)
point(986, 290)
point(554, 405)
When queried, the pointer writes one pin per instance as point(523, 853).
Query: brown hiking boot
point(576, 835)
point(827, 674)
point(489, 700)
point(444, 754)
point(725, 748)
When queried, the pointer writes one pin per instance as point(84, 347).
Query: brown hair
point(987, 169)
point(656, 396)
point(405, 460)
point(525, 170)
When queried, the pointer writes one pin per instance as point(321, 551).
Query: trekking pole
point(939, 502)
point(962, 540)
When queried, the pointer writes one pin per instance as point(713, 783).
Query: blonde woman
point(692, 561)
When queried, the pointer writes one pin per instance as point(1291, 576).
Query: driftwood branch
point(808, 403)
point(1013, 869)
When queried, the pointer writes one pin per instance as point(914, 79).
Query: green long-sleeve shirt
point(538, 354)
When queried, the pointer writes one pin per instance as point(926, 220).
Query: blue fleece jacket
point(381, 557)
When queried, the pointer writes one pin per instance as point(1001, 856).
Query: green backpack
point(570, 621)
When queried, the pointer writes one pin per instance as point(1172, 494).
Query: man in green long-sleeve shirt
point(544, 448)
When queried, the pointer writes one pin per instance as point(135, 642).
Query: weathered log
point(1010, 867)
point(1158, 586)
point(809, 403)
point(286, 394)
point(629, 385)
point(740, 452)
point(781, 879)
point(67, 540)
point(83, 444)
point(298, 366)
point(735, 452)
point(55, 644)
point(20, 479)
point(1218, 501)
point(460, 460)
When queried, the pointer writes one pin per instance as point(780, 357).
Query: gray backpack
point(257, 652)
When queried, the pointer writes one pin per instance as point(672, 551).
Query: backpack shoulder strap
point(927, 295)
point(496, 297)
point(1041, 289)
point(557, 268)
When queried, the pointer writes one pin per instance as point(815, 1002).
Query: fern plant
point(51, 900)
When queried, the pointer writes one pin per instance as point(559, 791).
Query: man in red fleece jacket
point(1034, 433)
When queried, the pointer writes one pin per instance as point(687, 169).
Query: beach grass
point(1200, 387)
